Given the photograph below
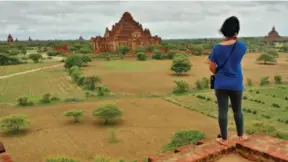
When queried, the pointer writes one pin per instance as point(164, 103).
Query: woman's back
point(229, 77)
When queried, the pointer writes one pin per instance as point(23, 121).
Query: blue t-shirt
point(229, 77)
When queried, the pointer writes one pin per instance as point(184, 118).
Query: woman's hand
point(212, 67)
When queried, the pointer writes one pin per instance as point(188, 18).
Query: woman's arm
point(212, 67)
point(212, 60)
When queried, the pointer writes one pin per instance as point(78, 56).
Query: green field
point(257, 106)
point(34, 85)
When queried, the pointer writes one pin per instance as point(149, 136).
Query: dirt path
point(30, 71)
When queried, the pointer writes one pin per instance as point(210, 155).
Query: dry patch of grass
point(6, 70)
point(147, 125)
point(155, 75)
point(34, 85)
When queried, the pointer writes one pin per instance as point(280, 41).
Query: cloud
point(171, 19)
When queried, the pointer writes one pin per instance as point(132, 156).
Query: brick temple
point(10, 39)
point(126, 32)
point(272, 35)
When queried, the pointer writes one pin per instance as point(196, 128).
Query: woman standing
point(225, 63)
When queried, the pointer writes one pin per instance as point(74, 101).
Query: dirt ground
point(146, 126)
point(155, 76)
point(233, 158)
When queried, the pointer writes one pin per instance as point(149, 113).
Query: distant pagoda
point(272, 35)
point(81, 38)
point(10, 39)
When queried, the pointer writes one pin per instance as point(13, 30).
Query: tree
point(180, 64)
point(73, 60)
point(75, 114)
point(157, 54)
point(35, 57)
point(198, 50)
point(107, 112)
point(266, 58)
point(90, 82)
point(123, 50)
point(14, 52)
point(284, 48)
point(86, 58)
point(171, 54)
point(5, 59)
point(24, 51)
point(14, 123)
point(140, 49)
point(141, 56)
point(273, 53)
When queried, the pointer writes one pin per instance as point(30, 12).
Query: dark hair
point(230, 27)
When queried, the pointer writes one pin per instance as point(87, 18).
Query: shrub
point(75, 114)
point(46, 98)
point(198, 84)
point(61, 159)
point(123, 50)
point(73, 68)
point(202, 97)
point(73, 60)
point(35, 57)
point(278, 79)
point(107, 112)
point(86, 58)
point(275, 105)
point(171, 54)
point(205, 82)
point(112, 136)
point(14, 123)
point(90, 82)
point(51, 53)
point(23, 101)
point(264, 81)
point(24, 58)
point(141, 56)
point(140, 49)
point(8, 60)
point(75, 75)
point(180, 64)
point(80, 80)
point(182, 138)
point(245, 97)
point(102, 159)
point(266, 116)
point(157, 55)
point(181, 86)
point(102, 90)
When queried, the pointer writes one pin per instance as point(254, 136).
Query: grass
point(146, 125)
point(33, 85)
point(253, 111)
point(6, 70)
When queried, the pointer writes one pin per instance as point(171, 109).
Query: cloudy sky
point(168, 19)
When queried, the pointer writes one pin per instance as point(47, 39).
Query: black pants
point(223, 105)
